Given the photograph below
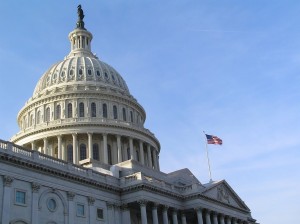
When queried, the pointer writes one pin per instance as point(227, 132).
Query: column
point(165, 215)
point(110, 211)
point(207, 217)
point(64, 153)
point(70, 196)
point(222, 221)
point(199, 215)
point(183, 218)
point(59, 151)
point(234, 221)
point(119, 148)
point(117, 214)
point(90, 145)
point(131, 148)
point(105, 153)
point(75, 151)
point(215, 218)
point(125, 214)
point(7, 180)
point(154, 213)
point(33, 145)
point(142, 158)
point(34, 203)
point(149, 155)
point(143, 204)
point(174, 216)
point(228, 220)
point(45, 146)
point(92, 213)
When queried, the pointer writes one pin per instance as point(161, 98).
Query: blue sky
point(230, 68)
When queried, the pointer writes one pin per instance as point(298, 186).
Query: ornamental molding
point(91, 201)
point(223, 194)
point(70, 195)
point(7, 181)
point(35, 187)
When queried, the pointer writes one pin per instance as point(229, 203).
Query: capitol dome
point(82, 112)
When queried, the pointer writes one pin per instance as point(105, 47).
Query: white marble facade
point(83, 155)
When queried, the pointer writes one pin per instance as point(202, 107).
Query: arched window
point(31, 120)
point(70, 110)
point(124, 114)
point(104, 107)
point(96, 151)
point(48, 114)
point(93, 109)
point(128, 153)
point(58, 112)
point(82, 152)
point(115, 111)
point(70, 153)
point(81, 109)
point(38, 117)
point(109, 155)
point(131, 116)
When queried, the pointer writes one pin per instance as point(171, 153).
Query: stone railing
point(51, 162)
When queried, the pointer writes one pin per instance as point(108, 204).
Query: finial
point(80, 23)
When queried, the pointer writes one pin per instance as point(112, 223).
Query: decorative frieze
point(35, 187)
point(70, 195)
point(7, 180)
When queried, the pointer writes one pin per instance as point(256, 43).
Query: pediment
point(221, 191)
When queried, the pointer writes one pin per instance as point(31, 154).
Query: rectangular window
point(100, 213)
point(20, 197)
point(80, 210)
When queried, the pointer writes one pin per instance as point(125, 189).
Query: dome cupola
point(82, 111)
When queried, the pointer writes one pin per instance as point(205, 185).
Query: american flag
point(211, 139)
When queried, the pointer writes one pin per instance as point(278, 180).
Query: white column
point(142, 158)
point(90, 145)
point(59, 151)
point(75, 151)
point(119, 148)
point(222, 221)
point(34, 203)
point(207, 217)
point(7, 180)
point(45, 146)
point(110, 210)
point(149, 156)
point(174, 216)
point(183, 218)
point(92, 213)
point(155, 159)
point(131, 148)
point(199, 215)
point(72, 214)
point(143, 205)
point(33, 145)
point(105, 153)
point(215, 218)
point(125, 214)
point(117, 214)
point(165, 215)
point(64, 153)
point(154, 214)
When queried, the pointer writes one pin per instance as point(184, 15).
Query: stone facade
point(83, 156)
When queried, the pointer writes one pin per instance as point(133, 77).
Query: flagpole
point(207, 157)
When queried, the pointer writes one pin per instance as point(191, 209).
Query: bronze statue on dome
point(80, 23)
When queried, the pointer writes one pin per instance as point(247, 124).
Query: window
point(81, 110)
point(90, 72)
point(70, 153)
point(71, 72)
point(96, 151)
point(115, 111)
point(100, 213)
point(31, 120)
point(104, 110)
point(109, 155)
point(48, 114)
point(80, 210)
point(70, 110)
point(124, 114)
point(82, 151)
point(20, 197)
point(38, 117)
point(58, 112)
point(51, 204)
point(128, 153)
point(80, 72)
point(131, 116)
point(98, 73)
point(93, 110)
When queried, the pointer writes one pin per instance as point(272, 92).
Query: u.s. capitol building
point(83, 155)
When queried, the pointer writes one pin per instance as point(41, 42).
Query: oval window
point(51, 204)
